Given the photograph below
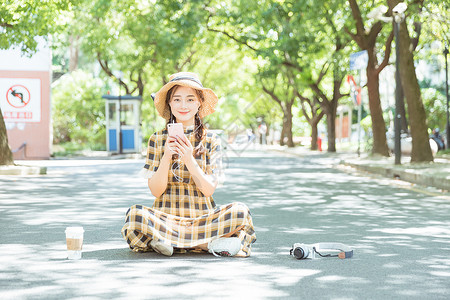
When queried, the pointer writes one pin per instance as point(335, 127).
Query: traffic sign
point(18, 96)
point(20, 99)
point(359, 60)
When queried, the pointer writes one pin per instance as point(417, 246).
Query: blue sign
point(359, 60)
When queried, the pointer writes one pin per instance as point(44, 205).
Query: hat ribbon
point(186, 78)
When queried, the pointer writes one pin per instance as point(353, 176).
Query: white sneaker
point(161, 248)
point(225, 246)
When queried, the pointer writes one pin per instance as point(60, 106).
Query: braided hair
point(199, 127)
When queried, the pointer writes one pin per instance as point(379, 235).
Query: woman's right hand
point(170, 146)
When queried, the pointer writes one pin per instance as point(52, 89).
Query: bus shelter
point(123, 127)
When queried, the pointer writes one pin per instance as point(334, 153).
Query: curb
point(22, 170)
point(410, 176)
point(441, 182)
point(101, 157)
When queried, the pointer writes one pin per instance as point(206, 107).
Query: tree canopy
point(282, 61)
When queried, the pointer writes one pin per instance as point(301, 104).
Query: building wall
point(30, 121)
point(37, 135)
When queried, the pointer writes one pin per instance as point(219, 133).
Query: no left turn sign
point(20, 99)
point(18, 96)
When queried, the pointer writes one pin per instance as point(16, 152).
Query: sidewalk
point(32, 167)
point(436, 174)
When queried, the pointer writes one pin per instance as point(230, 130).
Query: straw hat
point(189, 80)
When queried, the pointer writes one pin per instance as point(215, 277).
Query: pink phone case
point(175, 129)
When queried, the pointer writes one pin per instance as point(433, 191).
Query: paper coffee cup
point(74, 240)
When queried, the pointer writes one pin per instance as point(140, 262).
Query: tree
point(142, 40)
point(435, 19)
point(6, 157)
point(329, 103)
point(320, 61)
point(366, 39)
point(289, 44)
point(284, 96)
point(313, 114)
point(20, 22)
point(266, 29)
point(23, 20)
point(326, 72)
point(421, 150)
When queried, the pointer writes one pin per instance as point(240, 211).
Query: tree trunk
point(283, 133)
point(315, 117)
point(421, 151)
point(287, 120)
point(73, 53)
point(314, 134)
point(331, 128)
point(332, 110)
point(286, 107)
point(366, 40)
point(6, 157)
point(376, 112)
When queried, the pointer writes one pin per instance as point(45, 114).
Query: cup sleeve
point(154, 151)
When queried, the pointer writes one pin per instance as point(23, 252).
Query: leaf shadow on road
point(401, 238)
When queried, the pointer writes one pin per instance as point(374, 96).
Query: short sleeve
point(154, 152)
point(214, 156)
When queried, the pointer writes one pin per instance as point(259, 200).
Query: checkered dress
point(182, 216)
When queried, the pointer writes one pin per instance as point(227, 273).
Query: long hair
point(199, 127)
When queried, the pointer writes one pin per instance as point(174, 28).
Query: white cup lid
point(74, 229)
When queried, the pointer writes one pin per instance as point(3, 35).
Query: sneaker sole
point(162, 249)
point(224, 245)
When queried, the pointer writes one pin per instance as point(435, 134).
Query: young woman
point(182, 174)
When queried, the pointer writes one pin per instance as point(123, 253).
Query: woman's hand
point(183, 147)
point(170, 148)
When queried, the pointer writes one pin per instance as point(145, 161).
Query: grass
point(444, 154)
point(74, 148)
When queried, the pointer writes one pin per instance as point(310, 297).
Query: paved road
point(401, 237)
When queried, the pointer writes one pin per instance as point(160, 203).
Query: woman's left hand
point(184, 148)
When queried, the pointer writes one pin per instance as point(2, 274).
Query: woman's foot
point(225, 246)
point(161, 248)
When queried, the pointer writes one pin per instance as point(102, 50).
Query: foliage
point(78, 111)
point(23, 20)
point(435, 18)
point(435, 36)
point(149, 41)
point(292, 49)
point(436, 104)
point(144, 40)
point(236, 46)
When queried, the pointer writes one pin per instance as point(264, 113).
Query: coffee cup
point(74, 240)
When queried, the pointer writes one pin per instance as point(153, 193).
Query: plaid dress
point(182, 216)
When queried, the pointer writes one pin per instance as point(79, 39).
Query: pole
point(398, 95)
point(120, 122)
point(359, 115)
point(446, 91)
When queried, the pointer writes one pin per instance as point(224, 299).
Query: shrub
point(78, 110)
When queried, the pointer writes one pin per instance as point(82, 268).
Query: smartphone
point(175, 129)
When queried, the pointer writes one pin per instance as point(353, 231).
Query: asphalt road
point(401, 237)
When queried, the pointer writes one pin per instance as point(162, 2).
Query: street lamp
point(398, 13)
point(446, 92)
point(120, 76)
